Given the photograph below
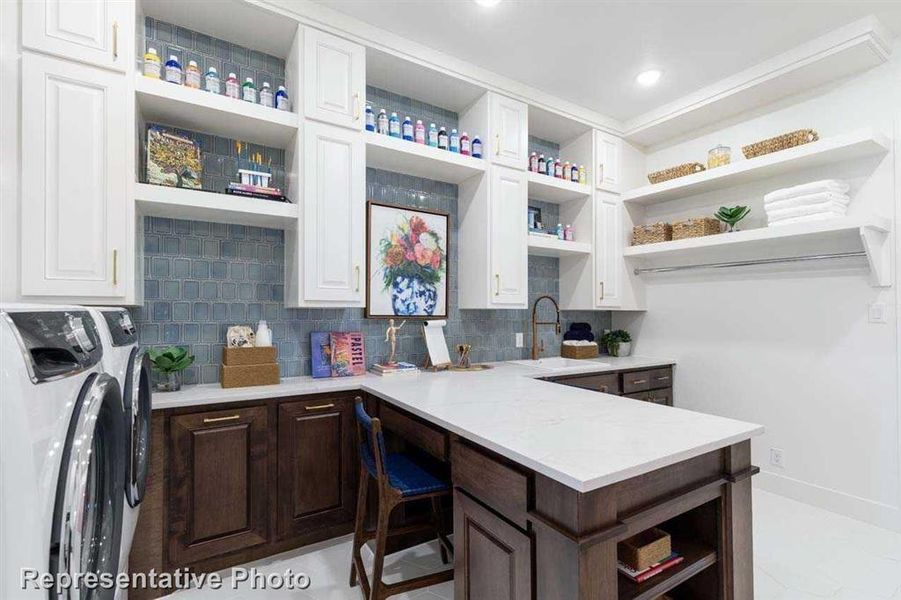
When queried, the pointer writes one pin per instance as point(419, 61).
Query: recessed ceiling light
point(488, 3)
point(648, 78)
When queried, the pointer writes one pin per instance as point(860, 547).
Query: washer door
point(137, 402)
point(87, 518)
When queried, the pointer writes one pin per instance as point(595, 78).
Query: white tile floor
point(800, 553)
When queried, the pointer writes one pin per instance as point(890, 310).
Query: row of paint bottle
point(566, 233)
point(210, 82)
point(554, 168)
point(416, 132)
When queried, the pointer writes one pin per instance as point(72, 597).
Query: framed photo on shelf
point(534, 218)
point(406, 262)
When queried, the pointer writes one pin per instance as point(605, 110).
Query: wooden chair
point(400, 478)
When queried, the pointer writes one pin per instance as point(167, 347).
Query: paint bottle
point(266, 97)
point(465, 146)
point(153, 66)
point(569, 233)
point(574, 176)
point(419, 133)
point(541, 165)
point(550, 166)
point(407, 129)
point(192, 75)
point(433, 136)
point(558, 169)
point(232, 88)
point(263, 336)
point(533, 162)
point(567, 171)
point(442, 139)
point(583, 175)
point(382, 122)
point(249, 91)
point(173, 70)
point(211, 81)
point(281, 99)
point(561, 234)
point(476, 147)
point(454, 141)
point(370, 118)
point(394, 125)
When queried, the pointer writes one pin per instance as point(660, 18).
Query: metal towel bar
point(748, 263)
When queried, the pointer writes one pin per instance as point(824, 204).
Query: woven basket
point(644, 549)
point(651, 234)
point(579, 351)
point(692, 228)
point(780, 142)
point(674, 172)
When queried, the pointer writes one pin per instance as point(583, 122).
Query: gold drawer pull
point(319, 406)
point(115, 40)
point(220, 419)
point(663, 378)
point(637, 381)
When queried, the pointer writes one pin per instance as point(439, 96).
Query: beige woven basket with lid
point(692, 228)
point(780, 142)
point(675, 172)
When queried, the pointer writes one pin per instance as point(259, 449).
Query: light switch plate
point(877, 312)
point(519, 342)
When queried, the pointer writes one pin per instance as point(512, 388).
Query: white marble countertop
point(581, 438)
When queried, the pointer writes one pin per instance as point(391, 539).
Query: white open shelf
point(544, 246)
point(557, 191)
point(839, 235)
point(180, 203)
point(402, 156)
point(859, 144)
point(188, 108)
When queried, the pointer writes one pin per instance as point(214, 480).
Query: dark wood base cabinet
point(647, 385)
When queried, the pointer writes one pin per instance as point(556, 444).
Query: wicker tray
point(644, 549)
point(674, 172)
point(579, 352)
point(651, 234)
point(780, 142)
point(692, 228)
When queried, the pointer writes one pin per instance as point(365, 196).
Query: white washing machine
point(62, 442)
point(123, 360)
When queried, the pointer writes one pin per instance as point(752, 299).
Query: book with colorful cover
point(321, 354)
point(400, 368)
point(348, 354)
point(655, 569)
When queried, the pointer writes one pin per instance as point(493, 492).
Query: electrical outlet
point(877, 312)
point(519, 341)
point(777, 458)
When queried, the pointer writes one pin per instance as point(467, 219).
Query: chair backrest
point(371, 439)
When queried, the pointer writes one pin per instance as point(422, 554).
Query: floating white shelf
point(557, 191)
point(833, 236)
point(543, 246)
point(188, 108)
point(180, 203)
point(419, 160)
point(859, 144)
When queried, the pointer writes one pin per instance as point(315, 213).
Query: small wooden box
point(233, 376)
point(644, 549)
point(579, 352)
point(249, 356)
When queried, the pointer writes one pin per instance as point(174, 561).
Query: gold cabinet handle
point(497, 282)
point(601, 173)
point(221, 419)
point(115, 267)
point(357, 271)
point(319, 406)
point(637, 381)
point(356, 106)
point(663, 378)
point(602, 289)
point(497, 144)
point(115, 40)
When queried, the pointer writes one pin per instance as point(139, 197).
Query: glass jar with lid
point(719, 156)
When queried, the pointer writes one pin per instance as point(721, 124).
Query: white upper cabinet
point(608, 254)
point(508, 241)
point(75, 239)
point(608, 152)
point(332, 250)
point(334, 79)
point(99, 32)
point(509, 131)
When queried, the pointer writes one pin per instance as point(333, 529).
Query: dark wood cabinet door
point(218, 494)
point(664, 396)
point(317, 465)
point(606, 383)
point(493, 559)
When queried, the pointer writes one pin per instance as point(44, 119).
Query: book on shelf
point(655, 569)
point(400, 368)
point(255, 191)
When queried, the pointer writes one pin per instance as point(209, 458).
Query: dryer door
point(87, 518)
point(137, 402)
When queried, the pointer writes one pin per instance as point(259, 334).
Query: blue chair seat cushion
point(408, 476)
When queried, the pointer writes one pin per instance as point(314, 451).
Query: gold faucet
point(536, 323)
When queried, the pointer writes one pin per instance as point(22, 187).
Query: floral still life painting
point(407, 268)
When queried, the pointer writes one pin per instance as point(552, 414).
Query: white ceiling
point(588, 52)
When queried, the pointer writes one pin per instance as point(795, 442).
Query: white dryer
point(62, 441)
point(123, 359)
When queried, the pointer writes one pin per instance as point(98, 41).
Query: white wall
point(791, 347)
point(9, 154)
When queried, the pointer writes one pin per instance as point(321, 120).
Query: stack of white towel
point(814, 201)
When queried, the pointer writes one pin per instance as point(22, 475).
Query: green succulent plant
point(171, 360)
point(731, 216)
point(616, 336)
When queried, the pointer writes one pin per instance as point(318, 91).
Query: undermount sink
point(557, 362)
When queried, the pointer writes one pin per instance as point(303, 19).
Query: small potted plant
point(731, 216)
point(170, 363)
point(618, 342)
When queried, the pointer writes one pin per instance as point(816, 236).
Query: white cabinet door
point(608, 161)
point(97, 32)
point(509, 132)
point(74, 175)
point(508, 241)
point(608, 253)
point(333, 215)
point(334, 79)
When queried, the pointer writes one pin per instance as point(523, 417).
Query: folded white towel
point(824, 185)
point(800, 211)
point(807, 200)
point(805, 219)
